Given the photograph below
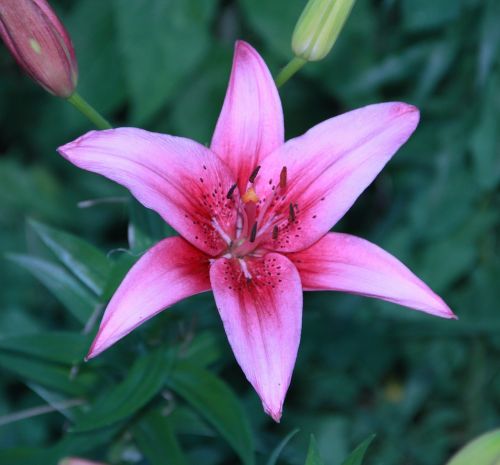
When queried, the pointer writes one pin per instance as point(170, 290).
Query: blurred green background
point(423, 385)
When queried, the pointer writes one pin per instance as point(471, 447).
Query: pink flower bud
point(78, 461)
point(40, 44)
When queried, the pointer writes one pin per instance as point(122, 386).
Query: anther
point(254, 174)
point(275, 233)
point(253, 233)
point(292, 213)
point(283, 177)
point(231, 191)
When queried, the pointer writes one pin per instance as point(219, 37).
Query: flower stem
point(289, 70)
point(89, 111)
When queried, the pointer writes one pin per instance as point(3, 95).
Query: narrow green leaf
point(157, 441)
point(273, 458)
point(51, 375)
point(87, 263)
point(54, 346)
point(73, 295)
point(218, 404)
point(25, 456)
point(119, 269)
point(186, 421)
point(79, 444)
point(313, 457)
point(142, 383)
point(203, 350)
point(146, 227)
point(358, 454)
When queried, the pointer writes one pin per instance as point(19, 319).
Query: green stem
point(89, 111)
point(289, 70)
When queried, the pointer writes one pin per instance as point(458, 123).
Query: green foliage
point(215, 401)
point(313, 456)
point(72, 294)
point(155, 436)
point(145, 378)
point(84, 260)
point(273, 458)
point(171, 392)
point(358, 454)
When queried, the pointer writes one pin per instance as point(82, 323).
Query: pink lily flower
point(254, 214)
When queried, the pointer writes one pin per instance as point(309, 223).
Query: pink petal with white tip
point(260, 303)
point(329, 167)
point(341, 262)
point(178, 178)
point(168, 272)
point(250, 125)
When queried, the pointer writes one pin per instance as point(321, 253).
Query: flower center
point(260, 220)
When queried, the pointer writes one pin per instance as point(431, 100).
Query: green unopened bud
point(318, 27)
point(484, 450)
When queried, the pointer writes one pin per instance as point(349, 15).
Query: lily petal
point(168, 272)
point(261, 309)
point(329, 167)
point(341, 262)
point(180, 179)
point(250, 125)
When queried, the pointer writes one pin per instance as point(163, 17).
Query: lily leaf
point(54, 346)
point(218, 404)
point(54, 376)
point(84, 260)
point(146, 227)
point(313, 457)
point(358, 454)
point(273, 458)
point(157, 441)
point(72, 294)
point(142, 383)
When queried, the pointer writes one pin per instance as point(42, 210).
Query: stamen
point(283, 177)
point(254, 174)
point(244, 268)
point(275, 233)
point(292, 213)
point(231, 191)
point(221, 232)
point(253, 233)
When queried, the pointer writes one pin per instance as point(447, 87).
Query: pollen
point(250, 196)
point(231, 191)
point(254, 174)
point(283, 176)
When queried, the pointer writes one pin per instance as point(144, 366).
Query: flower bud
point(77, 461)
point(40, 44)
point(318, 27)
point(484, 450)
